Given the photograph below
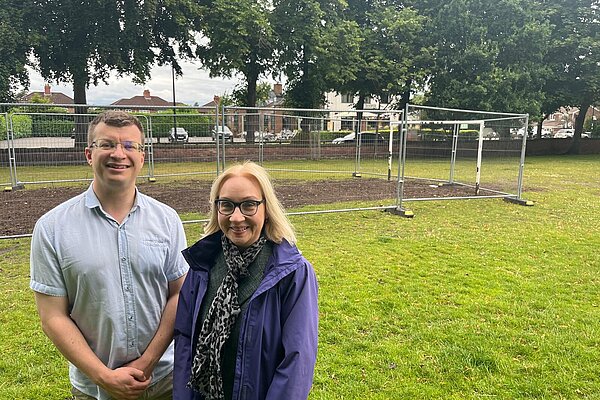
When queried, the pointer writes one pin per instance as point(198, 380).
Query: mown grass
point(468, 300)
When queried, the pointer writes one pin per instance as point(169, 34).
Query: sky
point(194, 86)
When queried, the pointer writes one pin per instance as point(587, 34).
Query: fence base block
point(521, 202)
point(18, 186)
point(401, 212)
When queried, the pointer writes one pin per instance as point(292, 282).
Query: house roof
point(275, 103)
point(55, 97)
point(144, 100)
point(211, 104)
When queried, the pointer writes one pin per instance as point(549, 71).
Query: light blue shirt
point(116, 277)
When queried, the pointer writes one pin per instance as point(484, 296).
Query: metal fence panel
point(369, 156)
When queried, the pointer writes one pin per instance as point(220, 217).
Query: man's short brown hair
point(116, 118)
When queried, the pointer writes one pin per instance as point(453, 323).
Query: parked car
point(260, 137)
point(264, 137)
point(490, 134)
point(224, 132)
point(366, 137)
point(178, 135)
point(546, 133)
point(564, 133)
point(287, 134)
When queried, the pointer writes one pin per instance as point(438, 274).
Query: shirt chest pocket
point(152, 256)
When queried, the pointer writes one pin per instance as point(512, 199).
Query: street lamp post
point(174, 103)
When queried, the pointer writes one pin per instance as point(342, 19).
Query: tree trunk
point(405, 96)
point(252, 124)
point(360, 105)
point(539, 126)
point(576, 143)
point(301, 101)
point(81, 118)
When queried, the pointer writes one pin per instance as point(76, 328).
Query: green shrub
point(21, 126)
point(194, 123)
point(51, 125)
point(593, 128)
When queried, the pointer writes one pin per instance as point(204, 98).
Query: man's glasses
point(247, 207)
point(128, 145)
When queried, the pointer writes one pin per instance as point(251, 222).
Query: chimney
point(146, 94)
point(47, 89)
point(278, 89)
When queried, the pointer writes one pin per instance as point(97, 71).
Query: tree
point(573, 58)
point(238, 39)
point(14, 48)
point(391, 50)
point(489, 56)
point(318, 49)
point(239, 95)
point(83, 41)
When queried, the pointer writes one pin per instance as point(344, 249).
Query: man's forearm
point(69, 340)
point(164, 333)
point(126, 383)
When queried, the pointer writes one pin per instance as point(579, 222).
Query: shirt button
point(130, 317)
point(123, 259)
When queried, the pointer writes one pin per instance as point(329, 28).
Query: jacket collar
point(201, 255)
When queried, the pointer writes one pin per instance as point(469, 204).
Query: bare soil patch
point(19, 210)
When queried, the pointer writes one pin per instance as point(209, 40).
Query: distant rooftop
point(54, 97)
point(145, 100)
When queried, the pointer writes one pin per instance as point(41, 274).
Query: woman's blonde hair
point(277, 226)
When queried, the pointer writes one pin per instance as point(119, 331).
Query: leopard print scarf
point(206, 376)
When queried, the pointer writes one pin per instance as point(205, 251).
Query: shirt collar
point(91, 200)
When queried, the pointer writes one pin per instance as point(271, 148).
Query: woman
point(246, 325)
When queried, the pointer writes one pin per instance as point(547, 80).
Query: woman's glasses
point(247, 207)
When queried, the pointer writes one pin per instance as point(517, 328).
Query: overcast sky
point(194, 86)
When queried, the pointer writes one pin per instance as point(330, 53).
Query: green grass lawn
point(470, 299)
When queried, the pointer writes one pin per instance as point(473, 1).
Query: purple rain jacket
point(277, 348)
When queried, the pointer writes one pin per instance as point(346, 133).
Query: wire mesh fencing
point(379, 158)
point(480, 153)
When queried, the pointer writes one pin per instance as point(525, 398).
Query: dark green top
point(247, 285)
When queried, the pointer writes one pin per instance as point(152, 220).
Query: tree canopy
point(318, 48)
point(239, 95)
point(390, 48)
point(238, 39)
point(573, 58)
point(489, 56)
point(82, 41)
point(527, 56)
point(14, 48)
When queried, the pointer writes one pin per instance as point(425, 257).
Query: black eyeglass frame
point(255, 203)
point(127, 145)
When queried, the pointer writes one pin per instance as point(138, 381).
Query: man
point(106, 268)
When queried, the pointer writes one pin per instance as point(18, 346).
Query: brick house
point(145, 100)
point(564, 117)
point(53, 97)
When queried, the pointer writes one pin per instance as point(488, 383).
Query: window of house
point(347, 98)
point(347, 124)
